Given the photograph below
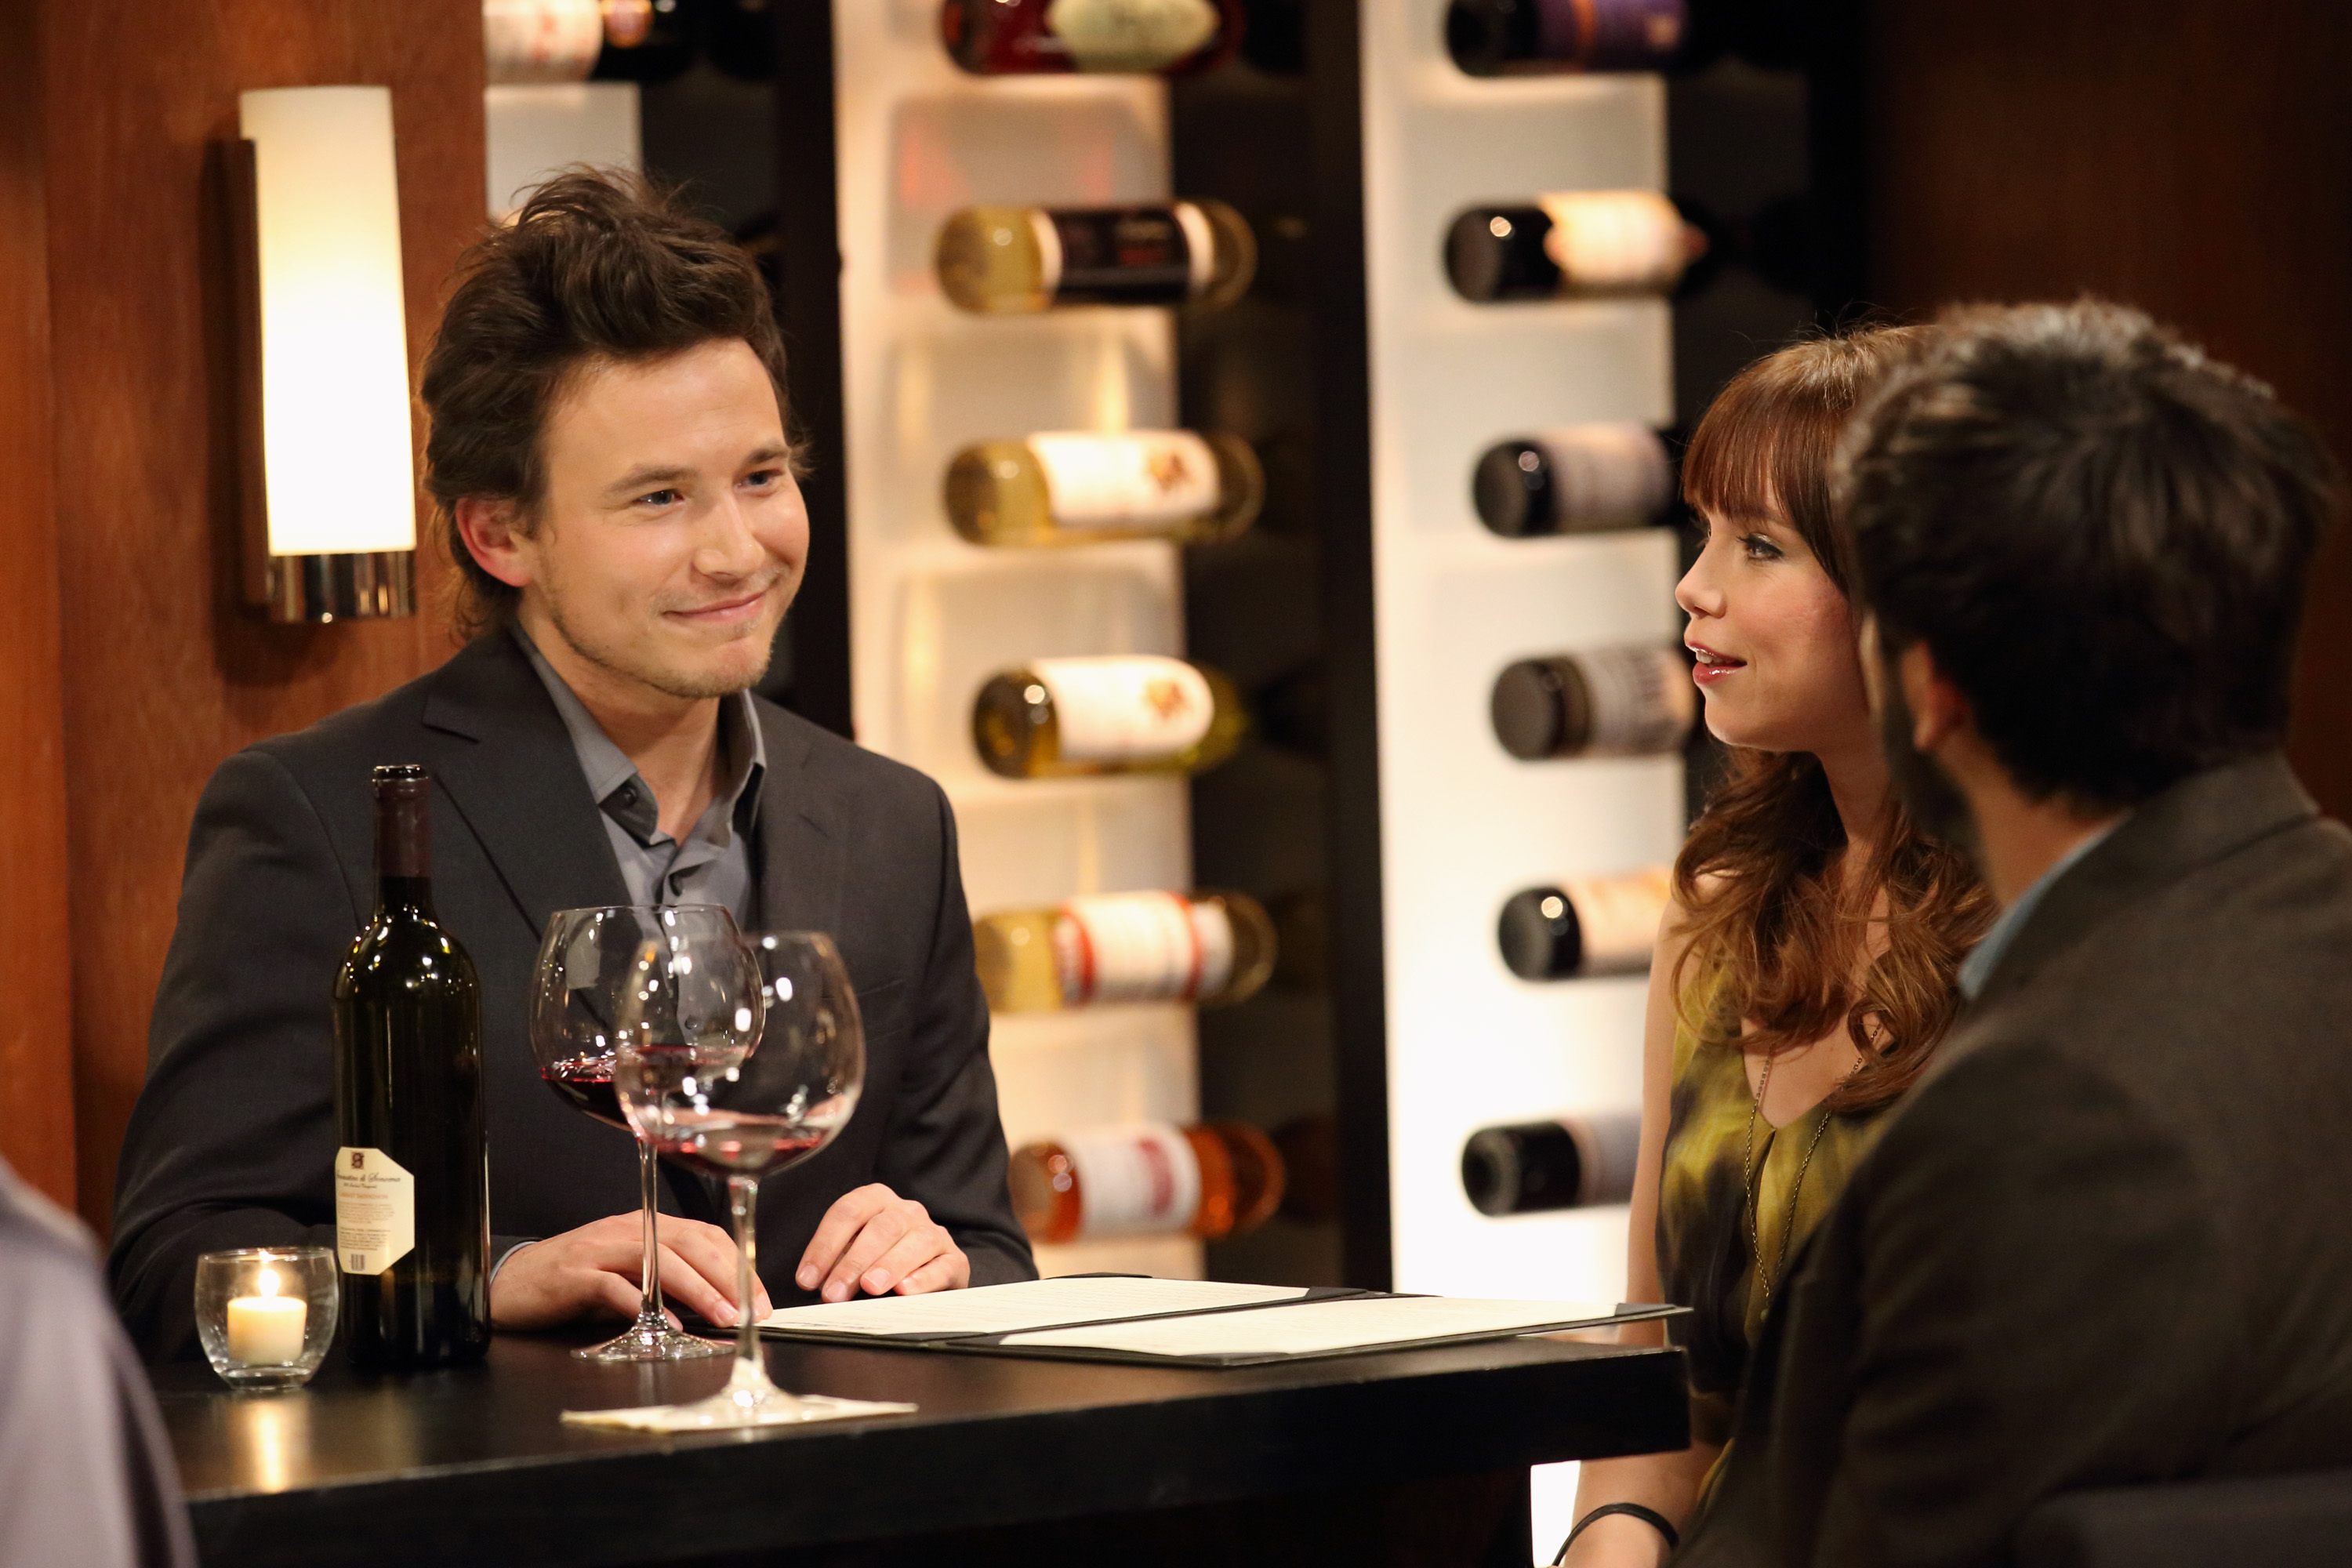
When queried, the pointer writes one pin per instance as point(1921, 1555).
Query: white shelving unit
point(933, 617)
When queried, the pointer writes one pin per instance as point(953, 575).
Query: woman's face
point(1778, 659)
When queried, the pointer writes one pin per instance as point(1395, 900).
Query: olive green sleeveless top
point(1706, 1262)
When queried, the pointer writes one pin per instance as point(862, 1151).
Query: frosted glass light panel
point(335, 457)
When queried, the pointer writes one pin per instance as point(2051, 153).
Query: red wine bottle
point(1571, 1163)
point(412, 1176)
point(1027, 37)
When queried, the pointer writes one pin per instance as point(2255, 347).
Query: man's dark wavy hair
point(2101, 535)
point(597, 268)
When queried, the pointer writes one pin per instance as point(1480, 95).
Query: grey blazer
point(232, 1138)
point(2105, 1240)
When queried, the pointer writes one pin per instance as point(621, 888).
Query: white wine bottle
point(1019, 260)
point(1572, 242)
point(1206, 947)
point(1579, 478)
point(1570, 1162)
point(1602, 702)
point(1147, 1178)
point(1117, 713)
point(1078, 486)
point(1585, 925)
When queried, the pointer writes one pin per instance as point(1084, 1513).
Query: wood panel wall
point(163, 677)
point(2189, 158)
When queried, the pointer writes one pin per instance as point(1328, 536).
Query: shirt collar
point(613, 782)
point(1978, 967)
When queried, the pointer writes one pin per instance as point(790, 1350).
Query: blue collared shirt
point(1978, 967)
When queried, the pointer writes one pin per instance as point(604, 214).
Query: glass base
point(267, 1379)
point(652, 1339)
point(747, 1401)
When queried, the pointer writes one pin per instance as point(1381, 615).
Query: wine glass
point(588, 961)
point(703, 1100)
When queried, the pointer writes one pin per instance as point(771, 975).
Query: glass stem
point(750, 1372)
point(649, 1304)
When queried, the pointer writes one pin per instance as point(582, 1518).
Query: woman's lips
point(1711, 665)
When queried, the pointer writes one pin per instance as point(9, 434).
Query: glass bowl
point(267, 1314)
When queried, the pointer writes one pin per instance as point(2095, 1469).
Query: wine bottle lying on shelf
point(1573, 243)
point(1147, 1178)
point(1209, 948)
point(1027, 37)
point(1079, 487)
point(1117, 713)
point(1496, 37)
point(1584, 925)
point(1020, 261)
point(1602, 702)
point(1579, 478)
point(540, 40)
point(1573, 1161)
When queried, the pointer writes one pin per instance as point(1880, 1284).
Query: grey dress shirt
point(713, 864)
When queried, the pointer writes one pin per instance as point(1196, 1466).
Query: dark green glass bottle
point(412, 1176)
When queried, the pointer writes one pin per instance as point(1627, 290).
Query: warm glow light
point(336, 453)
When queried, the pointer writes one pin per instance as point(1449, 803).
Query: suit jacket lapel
point(802, 854)
point(509, 766)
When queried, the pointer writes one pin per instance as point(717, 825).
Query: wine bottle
point(1147, 1178)
point(648, 41)
point(1017, 260)
point(1494, 37)
point(1119, 713)
point(1027, 37)
point(1584, 925)
point(1571, 243)
point(1573, 1161)
point(1579, 478)
point(1602, 702)
point(1209, 947)
point(1075, 488)
point(540, 40)
point(411, 1177)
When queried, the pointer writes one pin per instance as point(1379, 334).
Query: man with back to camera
point(2102, 1242)
point(609, 454)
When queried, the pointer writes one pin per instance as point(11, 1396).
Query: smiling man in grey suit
point(609, 451)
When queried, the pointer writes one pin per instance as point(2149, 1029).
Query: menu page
point(1029, 1304)
point(1323, 1327)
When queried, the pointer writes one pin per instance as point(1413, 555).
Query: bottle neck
point(404, 848)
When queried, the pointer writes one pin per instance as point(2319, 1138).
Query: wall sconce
point(328, 482)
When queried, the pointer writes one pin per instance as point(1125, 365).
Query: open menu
point(1192, 1323)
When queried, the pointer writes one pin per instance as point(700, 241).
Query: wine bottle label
point(1138, 1180)
point(376, 1210)
point(1615, 240)
point(1141, 947)
point(1642, 700)
point(1607, 476)
point(1122, 256)
point(1126, 706)
point(540, 40)
point(1144, 479)
point(1611, 35)
point(1131, 35)
point(1618, 917)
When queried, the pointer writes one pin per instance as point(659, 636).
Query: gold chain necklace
point(1752, 1201)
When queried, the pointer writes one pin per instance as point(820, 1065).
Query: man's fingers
point(881, 1233)
point(685, 1281)
point(707, 1250)
point(920, 1244)
point(617, 1293)
point(946, 1272)
point(842, 1222)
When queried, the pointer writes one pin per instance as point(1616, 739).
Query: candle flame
point(268, 1280)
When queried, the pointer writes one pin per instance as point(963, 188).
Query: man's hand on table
point(876, 1241)
point(553, 1281)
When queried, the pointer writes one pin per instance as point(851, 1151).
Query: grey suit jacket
point(2105, 1241)
point(233, 1135)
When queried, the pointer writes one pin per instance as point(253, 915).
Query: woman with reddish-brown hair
point(1806, 970)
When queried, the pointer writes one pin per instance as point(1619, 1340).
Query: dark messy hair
point(598, 267)
point(2101, 535)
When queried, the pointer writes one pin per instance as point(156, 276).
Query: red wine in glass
point(585, 1083)
point(720, 1144)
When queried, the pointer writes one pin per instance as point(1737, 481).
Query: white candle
point(267, 1330)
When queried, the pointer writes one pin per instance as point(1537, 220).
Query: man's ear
point(494, 539)
point(1938, 710)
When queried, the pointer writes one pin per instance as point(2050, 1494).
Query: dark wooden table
point(1410, 1457)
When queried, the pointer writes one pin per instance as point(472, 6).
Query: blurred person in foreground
point(609, 458)
point(1806, 971)
point(86, 1476)
point(2102, 1242)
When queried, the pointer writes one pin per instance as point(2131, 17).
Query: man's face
point(672, 535)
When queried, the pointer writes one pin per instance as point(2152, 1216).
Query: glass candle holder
point(267, 1314)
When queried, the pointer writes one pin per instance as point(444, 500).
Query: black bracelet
point(1648, 1516)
